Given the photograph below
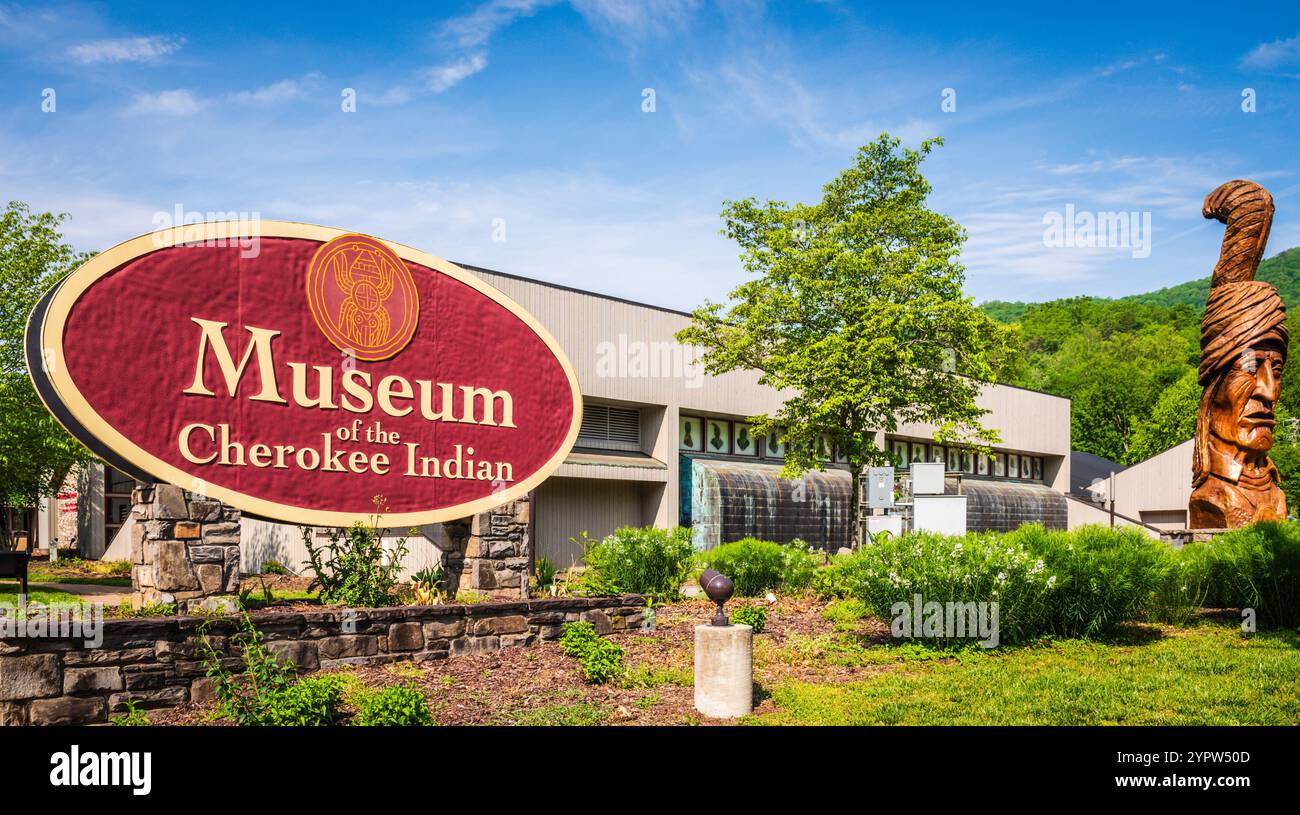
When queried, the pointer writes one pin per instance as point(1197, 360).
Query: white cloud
point(635, 19)
point(473, 30)
point(446, 76)
point(285, 90)
point(755, 90)
point(178, 102)
point(1273, 54)
point(125, 49)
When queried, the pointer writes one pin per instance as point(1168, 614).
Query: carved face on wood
point(1243, 400)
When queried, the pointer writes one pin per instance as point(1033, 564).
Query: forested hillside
point(1129, 365)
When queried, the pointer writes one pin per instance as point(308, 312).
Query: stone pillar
point(490, 552)
point(184, 550)
point(724, 670)
point(454, 558)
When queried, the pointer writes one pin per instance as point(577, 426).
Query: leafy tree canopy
point(854, 306)
point(35, 451)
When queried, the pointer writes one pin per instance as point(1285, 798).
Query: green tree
point(855, 307)
point(1171, 421)
point(35, 451)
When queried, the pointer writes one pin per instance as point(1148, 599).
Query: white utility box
point(893, 524)
point(927, 478)
point(945, 514)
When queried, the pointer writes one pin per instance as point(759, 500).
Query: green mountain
point(1282, 270)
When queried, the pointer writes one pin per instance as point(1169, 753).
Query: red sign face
point(302, 379)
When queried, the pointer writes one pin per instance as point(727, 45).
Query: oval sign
point(297, 371)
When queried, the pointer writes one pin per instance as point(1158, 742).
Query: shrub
point(247, 699)
point(602, 662)
point(600, 659)
point(1106, 577)
point(353, 568)
point(116, 568)
point(974, 568)
point(394, 706)
point(545, 570)
point(757, 566)
point(133, 717)
point(577, 638)
point(125, 609)
point(314, 701)
point(274, 567)
point(637, 560)
point(753, 616)
point(1257, 566)
point(831, 582)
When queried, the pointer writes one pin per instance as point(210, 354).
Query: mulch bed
point(539, 684)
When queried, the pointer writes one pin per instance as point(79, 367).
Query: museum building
point(663, 443)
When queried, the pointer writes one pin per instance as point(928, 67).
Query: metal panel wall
point(566, 507)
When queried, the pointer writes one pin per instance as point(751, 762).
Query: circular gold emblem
point(362, 297)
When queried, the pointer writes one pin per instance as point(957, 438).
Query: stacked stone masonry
point(490, 551)
point(184, 550)
point(156, 662)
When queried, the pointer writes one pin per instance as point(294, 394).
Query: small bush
point(545, 570)
point(638, 560)
point(274, 567)
point(133, 717)
point(125, 609)
point(1257, 566)
point(758, 566)
point(394, 706)
point(353, 568)
point(246, 698)
point(314, 701)
point(116, 568)
point(1106, 577)
point(601, 660)
point(753, 616)
point(577, 638)
point(976, 568)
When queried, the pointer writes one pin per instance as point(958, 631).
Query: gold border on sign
point(81, 279)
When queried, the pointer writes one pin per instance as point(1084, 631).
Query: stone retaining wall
point(155, 661)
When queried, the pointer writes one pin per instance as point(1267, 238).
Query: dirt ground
point(540, 685)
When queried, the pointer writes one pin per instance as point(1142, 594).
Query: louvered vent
point(610, 428)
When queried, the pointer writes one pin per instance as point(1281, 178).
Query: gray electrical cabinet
point(880, 487)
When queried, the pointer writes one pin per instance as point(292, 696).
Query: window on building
point(117, 501)
point(609, 427)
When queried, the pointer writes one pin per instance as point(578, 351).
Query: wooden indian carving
point(1243, 348)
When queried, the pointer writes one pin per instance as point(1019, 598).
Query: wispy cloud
point(636, 19)
point(766, 93)
point(444, 77)
point(470, 35)
point(285, 90)
point(1274, 54)
point(179, 102)
point(125, 49)
point(475, 29)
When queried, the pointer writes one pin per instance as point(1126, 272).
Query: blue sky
point(529, 114)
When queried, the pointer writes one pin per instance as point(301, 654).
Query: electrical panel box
point(927, 478)
point(880, 487)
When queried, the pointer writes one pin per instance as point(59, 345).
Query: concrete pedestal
point(724, 670)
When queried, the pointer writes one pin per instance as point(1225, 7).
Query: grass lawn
point(9, 596)
point(77, 580)
point(820, 663)
point(1207, 674)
